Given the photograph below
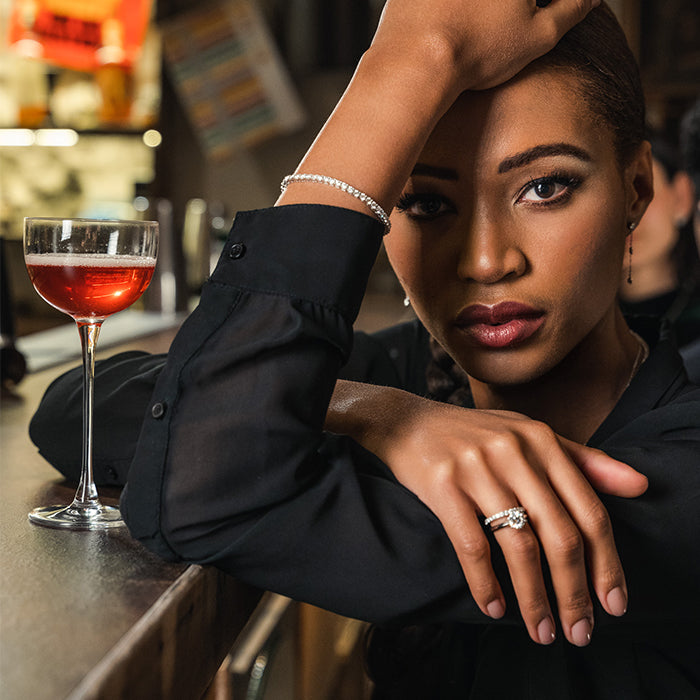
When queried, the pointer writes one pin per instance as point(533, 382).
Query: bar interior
point(182, 113)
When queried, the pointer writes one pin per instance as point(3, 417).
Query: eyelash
point(570, 182)
point(408, 200)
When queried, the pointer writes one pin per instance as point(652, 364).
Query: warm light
point(16, 137)
point(152, 138)
point(40, 137)
point(141, 203)
point(56, 137)
point(29, 48)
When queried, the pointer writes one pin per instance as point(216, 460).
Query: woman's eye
point(423, 206)
point(548, 190)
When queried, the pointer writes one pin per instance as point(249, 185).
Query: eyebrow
point(550, 149)
point(435, 171)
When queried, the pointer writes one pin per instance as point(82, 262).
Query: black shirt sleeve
point(123, 387)
point(232, 466)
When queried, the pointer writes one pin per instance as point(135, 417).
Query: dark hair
point(690, 144)
point(596, 50)
point(685, 253)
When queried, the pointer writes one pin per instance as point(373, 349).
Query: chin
point(506, 370)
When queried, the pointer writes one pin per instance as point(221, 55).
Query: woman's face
point(510, 233)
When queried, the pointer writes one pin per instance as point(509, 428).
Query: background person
point(690, 146)
point(661, 278)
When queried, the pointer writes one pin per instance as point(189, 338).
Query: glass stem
point(86, 495)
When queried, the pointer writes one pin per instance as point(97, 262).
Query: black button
point(237, 251)
point(158, 410)
point(112, 474)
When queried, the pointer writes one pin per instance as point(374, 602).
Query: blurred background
point(188, 111)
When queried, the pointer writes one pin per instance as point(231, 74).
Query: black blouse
point(232, 468)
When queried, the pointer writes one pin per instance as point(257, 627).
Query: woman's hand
point(480, 43)
point(468, 464)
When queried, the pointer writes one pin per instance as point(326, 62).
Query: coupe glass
point(88, 269)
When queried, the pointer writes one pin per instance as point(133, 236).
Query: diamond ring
point(513, 517)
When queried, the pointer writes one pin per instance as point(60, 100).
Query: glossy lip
point(501, 326)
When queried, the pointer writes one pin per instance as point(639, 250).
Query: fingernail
point(617, 601)
point(545, 631)
point(581, 633)
point(496, 609)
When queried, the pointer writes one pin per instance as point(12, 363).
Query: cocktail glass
point(88, 269)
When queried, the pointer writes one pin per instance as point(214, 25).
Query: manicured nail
point(617, 601)
point(496, 609)
point(545, 631)
point(581, 633)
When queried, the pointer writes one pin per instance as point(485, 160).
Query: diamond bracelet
point(339, 184)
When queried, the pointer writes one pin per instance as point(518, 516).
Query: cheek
point(593, 265)
point(408, 258)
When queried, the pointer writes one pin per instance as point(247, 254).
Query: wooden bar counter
point(93, 614)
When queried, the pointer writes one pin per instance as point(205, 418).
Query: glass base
point(95, 517)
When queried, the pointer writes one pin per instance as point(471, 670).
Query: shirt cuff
point(313, 252)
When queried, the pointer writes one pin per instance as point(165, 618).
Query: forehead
point(535, 108)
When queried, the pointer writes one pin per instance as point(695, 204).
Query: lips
point(501, 326)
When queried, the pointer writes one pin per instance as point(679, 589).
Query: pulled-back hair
point(596, 50)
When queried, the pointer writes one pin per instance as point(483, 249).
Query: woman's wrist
point(369, 414)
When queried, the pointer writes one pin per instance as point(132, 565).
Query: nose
point(488, 254)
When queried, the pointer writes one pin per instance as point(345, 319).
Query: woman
point(660, 278)
point(516, 191)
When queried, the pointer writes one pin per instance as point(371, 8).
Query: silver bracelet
point(339, 184)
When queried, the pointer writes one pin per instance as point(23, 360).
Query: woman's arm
point(123, 387)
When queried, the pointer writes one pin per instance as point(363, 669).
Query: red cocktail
point(89, 269)
point(90, 287)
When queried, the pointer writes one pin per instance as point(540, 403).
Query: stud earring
point(406, 301)
point(631, 226)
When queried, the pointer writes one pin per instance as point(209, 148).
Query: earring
point(631, 226)
point(406, 301)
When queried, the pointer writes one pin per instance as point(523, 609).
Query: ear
point(683, 196)
point(639, 182)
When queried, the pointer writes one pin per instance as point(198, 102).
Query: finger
point(575, 530)
point(605, 473)
point(604, 565)
point(564, 548)
point(521, 551)
point(464, 529)
point(552, 528)
point(522, 554)
point(561, 15)
point(555, 528)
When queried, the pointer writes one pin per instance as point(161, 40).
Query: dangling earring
point(406, 301)
point(631, 226)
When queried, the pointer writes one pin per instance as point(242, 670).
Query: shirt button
point(158, 409)
point(236, 251)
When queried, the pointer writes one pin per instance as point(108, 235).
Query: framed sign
point(229, 76)
point(79, 34)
